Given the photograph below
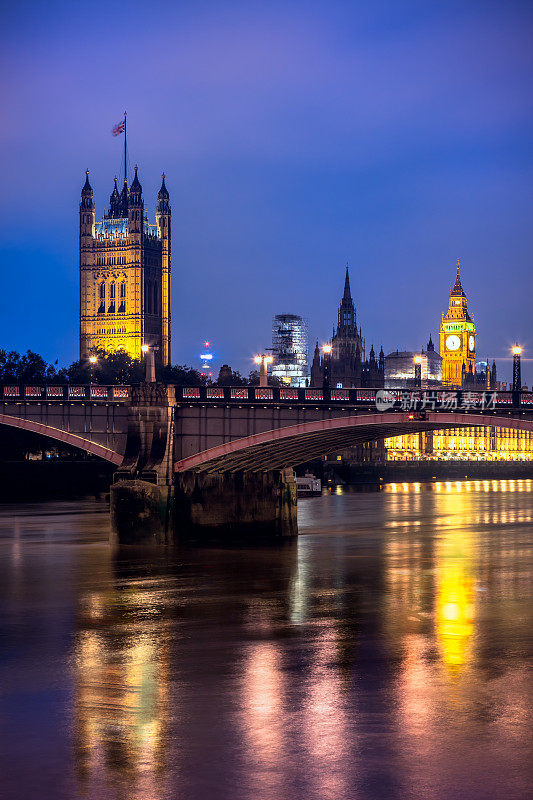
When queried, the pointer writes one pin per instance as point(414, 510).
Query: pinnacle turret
point(163, 192)
point(87, 203)
point(136, 185)
point(87, 188)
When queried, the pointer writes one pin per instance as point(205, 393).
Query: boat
point(308, 485)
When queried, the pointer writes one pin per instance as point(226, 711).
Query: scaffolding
point(289, 350)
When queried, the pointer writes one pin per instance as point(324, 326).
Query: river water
point(384, 654)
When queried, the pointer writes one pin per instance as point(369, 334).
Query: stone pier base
point(141, 512)
point(244, 505)
point(249, 506)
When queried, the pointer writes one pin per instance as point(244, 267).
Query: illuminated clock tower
point(457, 337)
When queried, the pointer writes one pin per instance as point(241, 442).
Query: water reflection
point(121, 681)
point(385, 655)
point(454, 612)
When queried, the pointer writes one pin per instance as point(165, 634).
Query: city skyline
point(268, 194)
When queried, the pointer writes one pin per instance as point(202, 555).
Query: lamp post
point(326, 349)
point(92, 361)
point(517, 376)
point(418, 372)
point(149, 352)
point(263, 361)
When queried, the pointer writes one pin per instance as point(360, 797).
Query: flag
point(118, 129)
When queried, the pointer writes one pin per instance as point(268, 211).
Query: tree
point(182, 376)
point(109, 368)
point(29, 368)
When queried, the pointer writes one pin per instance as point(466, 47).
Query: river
point(384, 654)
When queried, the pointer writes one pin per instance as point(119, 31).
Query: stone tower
point(125, 274)
point(457, 337)
point(347, 347)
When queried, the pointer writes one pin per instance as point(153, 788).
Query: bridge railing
point(65, 393)
point(377, 399)
point(374, 399)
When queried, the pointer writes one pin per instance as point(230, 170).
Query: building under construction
point(289, 350)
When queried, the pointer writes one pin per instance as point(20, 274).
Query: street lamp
point(264, 361)
point(92, 361)
point(326, 349)
point(418, 372)
point(149, 375)
point(517, 377)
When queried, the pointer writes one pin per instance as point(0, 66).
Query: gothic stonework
point(347, 366)
point(125, 274)
point(457, 338)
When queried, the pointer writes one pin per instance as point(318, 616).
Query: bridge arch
point(61, 435)
point(294, 444)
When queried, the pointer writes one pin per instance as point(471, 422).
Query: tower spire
point(458, 287)
point(347, 292)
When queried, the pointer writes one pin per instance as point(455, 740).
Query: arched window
point(111, 309)
point(101, 298)
point(122, 297)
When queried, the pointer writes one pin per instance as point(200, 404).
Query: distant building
point(462, 444)
point(346, 365)
point(483, 377)
point(400, 368)
point(289, 350)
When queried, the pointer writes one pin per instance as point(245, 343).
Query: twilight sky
point(295, 136)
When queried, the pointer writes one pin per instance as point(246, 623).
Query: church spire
point(347, 293)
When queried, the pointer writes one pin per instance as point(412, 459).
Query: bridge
point(203, 459)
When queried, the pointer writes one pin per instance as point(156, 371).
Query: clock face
point(471, 343)
point(453, 342)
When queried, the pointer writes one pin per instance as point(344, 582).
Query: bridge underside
point(60, 435)
point(287, 447)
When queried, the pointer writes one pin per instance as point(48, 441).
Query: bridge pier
point(235, 505)
point(141, 512)
point(201, 507)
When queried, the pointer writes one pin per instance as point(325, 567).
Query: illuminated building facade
point(400, 368)
point(462, 444)
point(457, 338)
point(125, 274)
point(289, 350)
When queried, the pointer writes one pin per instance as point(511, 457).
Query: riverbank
point(408, 471)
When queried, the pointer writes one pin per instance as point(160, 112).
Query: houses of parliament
point(125, 273)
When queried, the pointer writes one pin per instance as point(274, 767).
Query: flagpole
point(125, 151)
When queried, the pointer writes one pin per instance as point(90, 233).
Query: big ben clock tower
point(457, 337)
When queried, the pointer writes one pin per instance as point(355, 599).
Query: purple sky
point(295, 137)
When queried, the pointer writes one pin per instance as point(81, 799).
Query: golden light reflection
point(121, 702)
point(485, 486)
point(455, 607)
